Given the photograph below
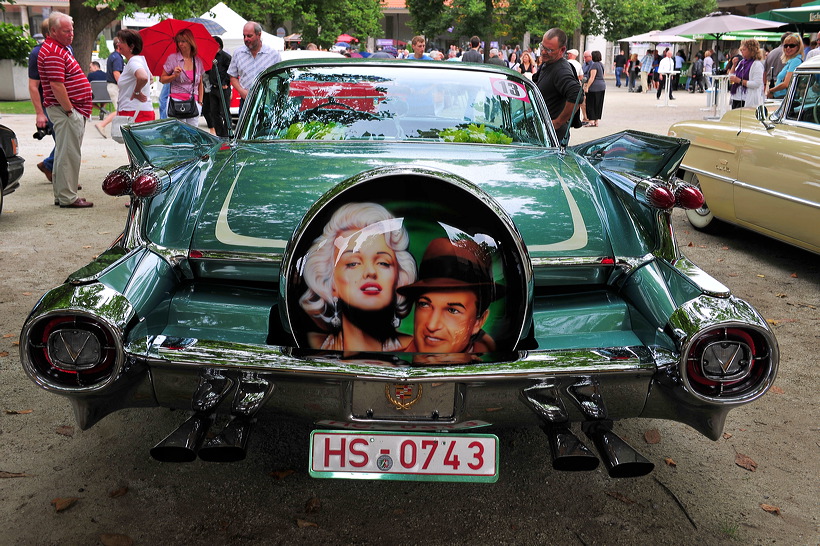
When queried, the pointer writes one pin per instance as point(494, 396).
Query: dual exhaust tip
point(620, 459)
point(188, 442)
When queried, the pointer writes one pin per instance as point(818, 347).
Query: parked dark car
point(11, 164)
point(402, 254)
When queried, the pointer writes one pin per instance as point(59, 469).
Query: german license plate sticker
point(404, 456)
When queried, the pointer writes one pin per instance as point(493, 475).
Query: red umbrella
point(347, 38)
point(158, 42)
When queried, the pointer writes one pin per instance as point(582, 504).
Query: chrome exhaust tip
point(181, 445)
point(230, 445)
point(252, 391)
point(620, 459)
point(568, 452)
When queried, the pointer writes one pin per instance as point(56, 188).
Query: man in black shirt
point(221, 64)
point(620, 63)
point(557, 80)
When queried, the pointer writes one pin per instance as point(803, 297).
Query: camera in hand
point(42, 132)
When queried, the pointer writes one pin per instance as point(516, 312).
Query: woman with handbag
point(183, 70)
point(134, 101)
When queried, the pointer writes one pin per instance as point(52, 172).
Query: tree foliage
point(538, 16)
point(429, 17)
point(15, 43)
point(616, 19)
point(489, 19)
point(318, 20)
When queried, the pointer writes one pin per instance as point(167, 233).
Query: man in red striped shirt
point(67, 98)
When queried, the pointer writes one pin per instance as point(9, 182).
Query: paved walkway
point(641, 111)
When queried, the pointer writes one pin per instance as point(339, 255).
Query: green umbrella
point(806, 18)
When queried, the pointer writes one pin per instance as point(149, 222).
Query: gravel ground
point(124, 496)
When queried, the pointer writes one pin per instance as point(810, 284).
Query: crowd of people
point(573, 90)
point(754, 73)
point(63, 100)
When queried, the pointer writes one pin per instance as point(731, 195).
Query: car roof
point(290, 54)
point(811, 64)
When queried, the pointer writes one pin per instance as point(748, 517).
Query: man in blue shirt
point(646, 70)
point(114, 65)
point(679, 60)
point(419, 43)
point(35, 92)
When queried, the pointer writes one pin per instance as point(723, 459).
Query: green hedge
point(15, 43)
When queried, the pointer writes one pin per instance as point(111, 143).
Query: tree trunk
point(89, 22)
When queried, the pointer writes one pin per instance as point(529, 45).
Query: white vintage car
point(759, 170)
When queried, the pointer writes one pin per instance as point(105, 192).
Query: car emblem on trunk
point(402, 395)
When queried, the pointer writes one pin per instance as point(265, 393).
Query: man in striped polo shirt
point(67, 98)
point(249, 61)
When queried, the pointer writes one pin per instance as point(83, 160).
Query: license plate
point(403, 456)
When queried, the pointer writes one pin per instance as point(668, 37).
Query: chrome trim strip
point(522, 364)
point(631, 263)
point(777, 194)
point(716, 176)
point(250, 257)
point(255, 257)
point(751, 187)
point(564, 261)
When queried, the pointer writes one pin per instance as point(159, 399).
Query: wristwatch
point(68, 112)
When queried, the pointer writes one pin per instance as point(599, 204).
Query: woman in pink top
point(183, 70)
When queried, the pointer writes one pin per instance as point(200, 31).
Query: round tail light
point(689, 197)
point(72, 351)
point(660, 197)
point(149, 182)
point(117, 183)
point(729, 364)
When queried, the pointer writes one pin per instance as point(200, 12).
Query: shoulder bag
point(184, 109)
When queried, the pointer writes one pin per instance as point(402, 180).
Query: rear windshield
point(398, 103)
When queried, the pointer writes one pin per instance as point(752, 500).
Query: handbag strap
point(193, 80)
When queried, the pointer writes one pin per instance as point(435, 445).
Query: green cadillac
point(405, 255)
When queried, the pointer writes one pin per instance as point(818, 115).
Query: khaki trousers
point(68, 138)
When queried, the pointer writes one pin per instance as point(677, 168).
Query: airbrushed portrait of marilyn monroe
point(352, 272)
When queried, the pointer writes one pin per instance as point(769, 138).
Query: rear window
point(393, 103)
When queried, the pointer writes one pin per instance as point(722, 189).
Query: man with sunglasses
point(557, 80)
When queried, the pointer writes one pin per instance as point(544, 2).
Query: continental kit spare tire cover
point(406, 261)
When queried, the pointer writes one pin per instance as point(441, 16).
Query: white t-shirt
point(579, 70)
point(127, 84)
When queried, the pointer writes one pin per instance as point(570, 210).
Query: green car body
point(603, 318)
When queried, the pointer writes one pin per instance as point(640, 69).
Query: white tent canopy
point(233, 23)
point(656, 37)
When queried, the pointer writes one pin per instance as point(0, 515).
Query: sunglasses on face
point(789, 45)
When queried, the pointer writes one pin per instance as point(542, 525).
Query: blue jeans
point(163, 100)
point(618, 71)
point(49, 161)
